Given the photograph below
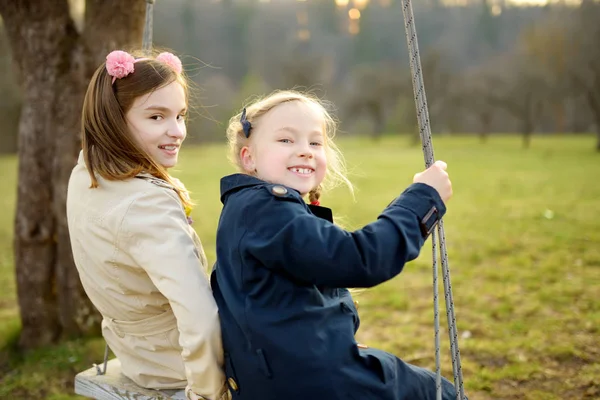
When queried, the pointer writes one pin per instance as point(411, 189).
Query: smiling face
point(287, 147)
point(157, 123)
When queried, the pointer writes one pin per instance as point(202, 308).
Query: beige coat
point(143, 267)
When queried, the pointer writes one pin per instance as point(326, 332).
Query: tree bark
point(55, 62)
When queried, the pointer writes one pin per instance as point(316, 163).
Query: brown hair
point(336, 168)
point(109, 149)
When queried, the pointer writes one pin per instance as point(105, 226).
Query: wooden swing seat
point(114, 385)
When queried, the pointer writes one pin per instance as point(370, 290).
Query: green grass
point(523, 237)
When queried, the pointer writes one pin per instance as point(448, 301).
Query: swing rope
point(425, 133)
point(146, 49)
point(148, 28)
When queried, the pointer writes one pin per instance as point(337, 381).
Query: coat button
point(232, 384)
point(278, 190)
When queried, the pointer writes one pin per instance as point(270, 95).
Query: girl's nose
point(304, 150)
point(177, 130)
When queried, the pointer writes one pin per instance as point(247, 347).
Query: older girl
point(140, 261)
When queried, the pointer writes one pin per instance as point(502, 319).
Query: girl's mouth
point(301, 170)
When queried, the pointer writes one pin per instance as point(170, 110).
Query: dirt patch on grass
point(549, 388)
point(484, 359)
point(560, 380)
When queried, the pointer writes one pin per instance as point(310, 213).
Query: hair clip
point(246, 125)
point(119, 63)
point(171, 60)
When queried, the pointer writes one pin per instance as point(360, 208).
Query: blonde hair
point(336, 166)
point(109, 149)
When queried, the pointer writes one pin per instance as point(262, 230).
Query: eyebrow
point(161, 108)
point(295, 131)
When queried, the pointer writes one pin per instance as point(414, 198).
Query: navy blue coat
point(288, 322)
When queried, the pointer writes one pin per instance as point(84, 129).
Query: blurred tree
point(55, 62)
point(471, 98)
point(436, 78)
point(515, 86)
point(375, 90)
point(584, 64)
point(282, 41)
point(301, 72)
point(10, 102)
point(487, 27)
point(565, 50)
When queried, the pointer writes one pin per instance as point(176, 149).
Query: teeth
point(170, 148)
point(304, 171)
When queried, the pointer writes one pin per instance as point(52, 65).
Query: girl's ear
point(247, 160)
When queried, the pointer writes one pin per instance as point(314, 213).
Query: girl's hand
point(436, 177)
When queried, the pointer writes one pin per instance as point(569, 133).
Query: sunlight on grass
point(523, 237)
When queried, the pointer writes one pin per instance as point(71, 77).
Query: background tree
point(374, 92)
point(54, 58)
point(514, 86)
point(564, 48)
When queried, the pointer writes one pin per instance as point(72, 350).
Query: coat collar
point(235, 182)
point(321, 212)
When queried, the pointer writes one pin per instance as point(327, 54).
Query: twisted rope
point(425, 133)
point(148, 28)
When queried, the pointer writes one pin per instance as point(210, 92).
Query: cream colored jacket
point(143, 267)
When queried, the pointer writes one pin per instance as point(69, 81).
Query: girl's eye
point(316, 144)
point(156, 117)
point(182, 117)
point(285, 141)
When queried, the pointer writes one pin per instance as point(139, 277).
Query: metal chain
point(425, 133)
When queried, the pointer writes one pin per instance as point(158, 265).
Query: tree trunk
point(526, 130)
point(486, 123)
point(376, 113)
point(594, 103)
point(529, 115)
point(559, 117)
point(55, 63)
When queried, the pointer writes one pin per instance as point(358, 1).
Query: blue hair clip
point(246, 125)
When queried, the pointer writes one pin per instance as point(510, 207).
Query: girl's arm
point(156, 235)
point(282, 235)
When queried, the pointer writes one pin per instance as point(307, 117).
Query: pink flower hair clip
point(171, 60)
point(119, 63)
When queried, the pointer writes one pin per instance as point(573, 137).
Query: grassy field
point(523, 236)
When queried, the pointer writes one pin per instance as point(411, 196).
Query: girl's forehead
point(171, 95)
point(294, 113)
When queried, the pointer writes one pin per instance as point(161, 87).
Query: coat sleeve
point(283, 235)
point(159, 241)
